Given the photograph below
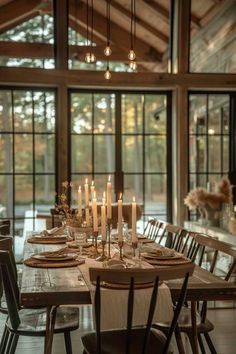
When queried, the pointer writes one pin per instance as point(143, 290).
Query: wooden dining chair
point(29, 322)
point(5, 226)
point(205, 252)
point(134, 339)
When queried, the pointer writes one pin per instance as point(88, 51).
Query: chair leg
point(68, 342)
point(4, 340)
point(14, 344)
point(191, 341)
point(210, 344)
point(9, 343)
point(201, 344)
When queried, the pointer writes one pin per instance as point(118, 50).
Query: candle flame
point(133, 199)
point(92, 183)
point(120, 196)
point(109, 178)
point(86, 180)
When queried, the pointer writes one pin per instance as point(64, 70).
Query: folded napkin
point(54, 231)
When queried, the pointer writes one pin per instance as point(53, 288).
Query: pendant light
point(132, 54)
point(107, 50)
point(90, 56)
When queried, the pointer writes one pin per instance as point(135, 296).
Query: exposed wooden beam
point(18, 22)
point(79, 78)
point(45, 51)
point(17, 9)
point(119, 34)
point(78, 27)
point(61, 34)
point(141, 22)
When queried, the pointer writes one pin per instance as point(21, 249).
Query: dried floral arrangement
point(62, 207)
point(208, 203)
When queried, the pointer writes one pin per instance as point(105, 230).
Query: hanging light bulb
point(107, 51)
point(133, 65)
point(131, 54)
point(107, 74)
point(88, 58)
point(92, 58)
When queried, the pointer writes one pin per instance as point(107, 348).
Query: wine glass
point(80, 239)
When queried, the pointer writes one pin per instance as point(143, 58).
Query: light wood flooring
point(224, 335)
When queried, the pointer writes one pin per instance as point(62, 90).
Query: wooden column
point(180, 55)
point(62, 116)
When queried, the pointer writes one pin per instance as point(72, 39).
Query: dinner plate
point(55, 258)
point(50, 236)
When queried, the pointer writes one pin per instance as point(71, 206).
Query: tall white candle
point(104, 198)
point(79, 201)
point(86, 193)
point(104, 222)
point(95, 213)
point(109, 190)
point(92, 189)
point(87, 216)
point(120, 228)
point(134, 218)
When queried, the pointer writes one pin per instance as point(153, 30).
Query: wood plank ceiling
point(152, 28)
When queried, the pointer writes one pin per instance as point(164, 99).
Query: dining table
point(52, 287)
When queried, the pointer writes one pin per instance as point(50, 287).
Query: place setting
point(63, 257)
point(164, 256)
point(55, 235)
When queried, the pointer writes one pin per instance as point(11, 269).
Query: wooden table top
point(42, 287)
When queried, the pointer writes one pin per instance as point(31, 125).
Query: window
point(124, 135)
point(209, 138)
point(27, 154)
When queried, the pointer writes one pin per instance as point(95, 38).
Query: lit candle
point(79, 201)
point(120, 235)
point(104, 223)
point(92, 189)
point(86, 193)
point(104, 198)
point(95, 213)
point(134, 217)
point(109, 189)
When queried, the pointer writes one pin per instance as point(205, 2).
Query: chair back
point(5, 227)
point(9, 280)
point(138, 278)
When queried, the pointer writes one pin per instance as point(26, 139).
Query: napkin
point(54, 231)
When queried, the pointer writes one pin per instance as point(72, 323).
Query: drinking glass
point(80, 239)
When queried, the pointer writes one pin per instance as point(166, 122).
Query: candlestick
point(134, 218)
point(92, 189)
point(109, 225)
point(120, 244)
point(79, 201)
point(95, 213)
point(103, 256)
point(134, 246)
point(109, 190)
point(103, 216)
point(86, 193)
point(120, 228)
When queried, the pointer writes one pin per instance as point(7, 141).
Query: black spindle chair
point(29, 322)
point(138, 339)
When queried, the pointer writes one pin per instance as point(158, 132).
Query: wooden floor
point(224, 335)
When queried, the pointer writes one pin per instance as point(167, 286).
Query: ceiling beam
point(81, 29)
point(119, 35)
point(16, 10)
point(46, 51)
point(18, 22)
point(141, 22)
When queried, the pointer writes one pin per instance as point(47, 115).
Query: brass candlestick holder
point(109, 224)
point(134, 246)
point(120, 244)
point(102, 257)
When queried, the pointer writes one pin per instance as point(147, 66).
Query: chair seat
point(33, 321)
point(185, 323)
point(113, 342)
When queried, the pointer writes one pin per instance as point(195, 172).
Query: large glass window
point(27, 154)
point(209, 138)
point(124, 135)
point(152, 33)
point(213, 32)
point(27, 34)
